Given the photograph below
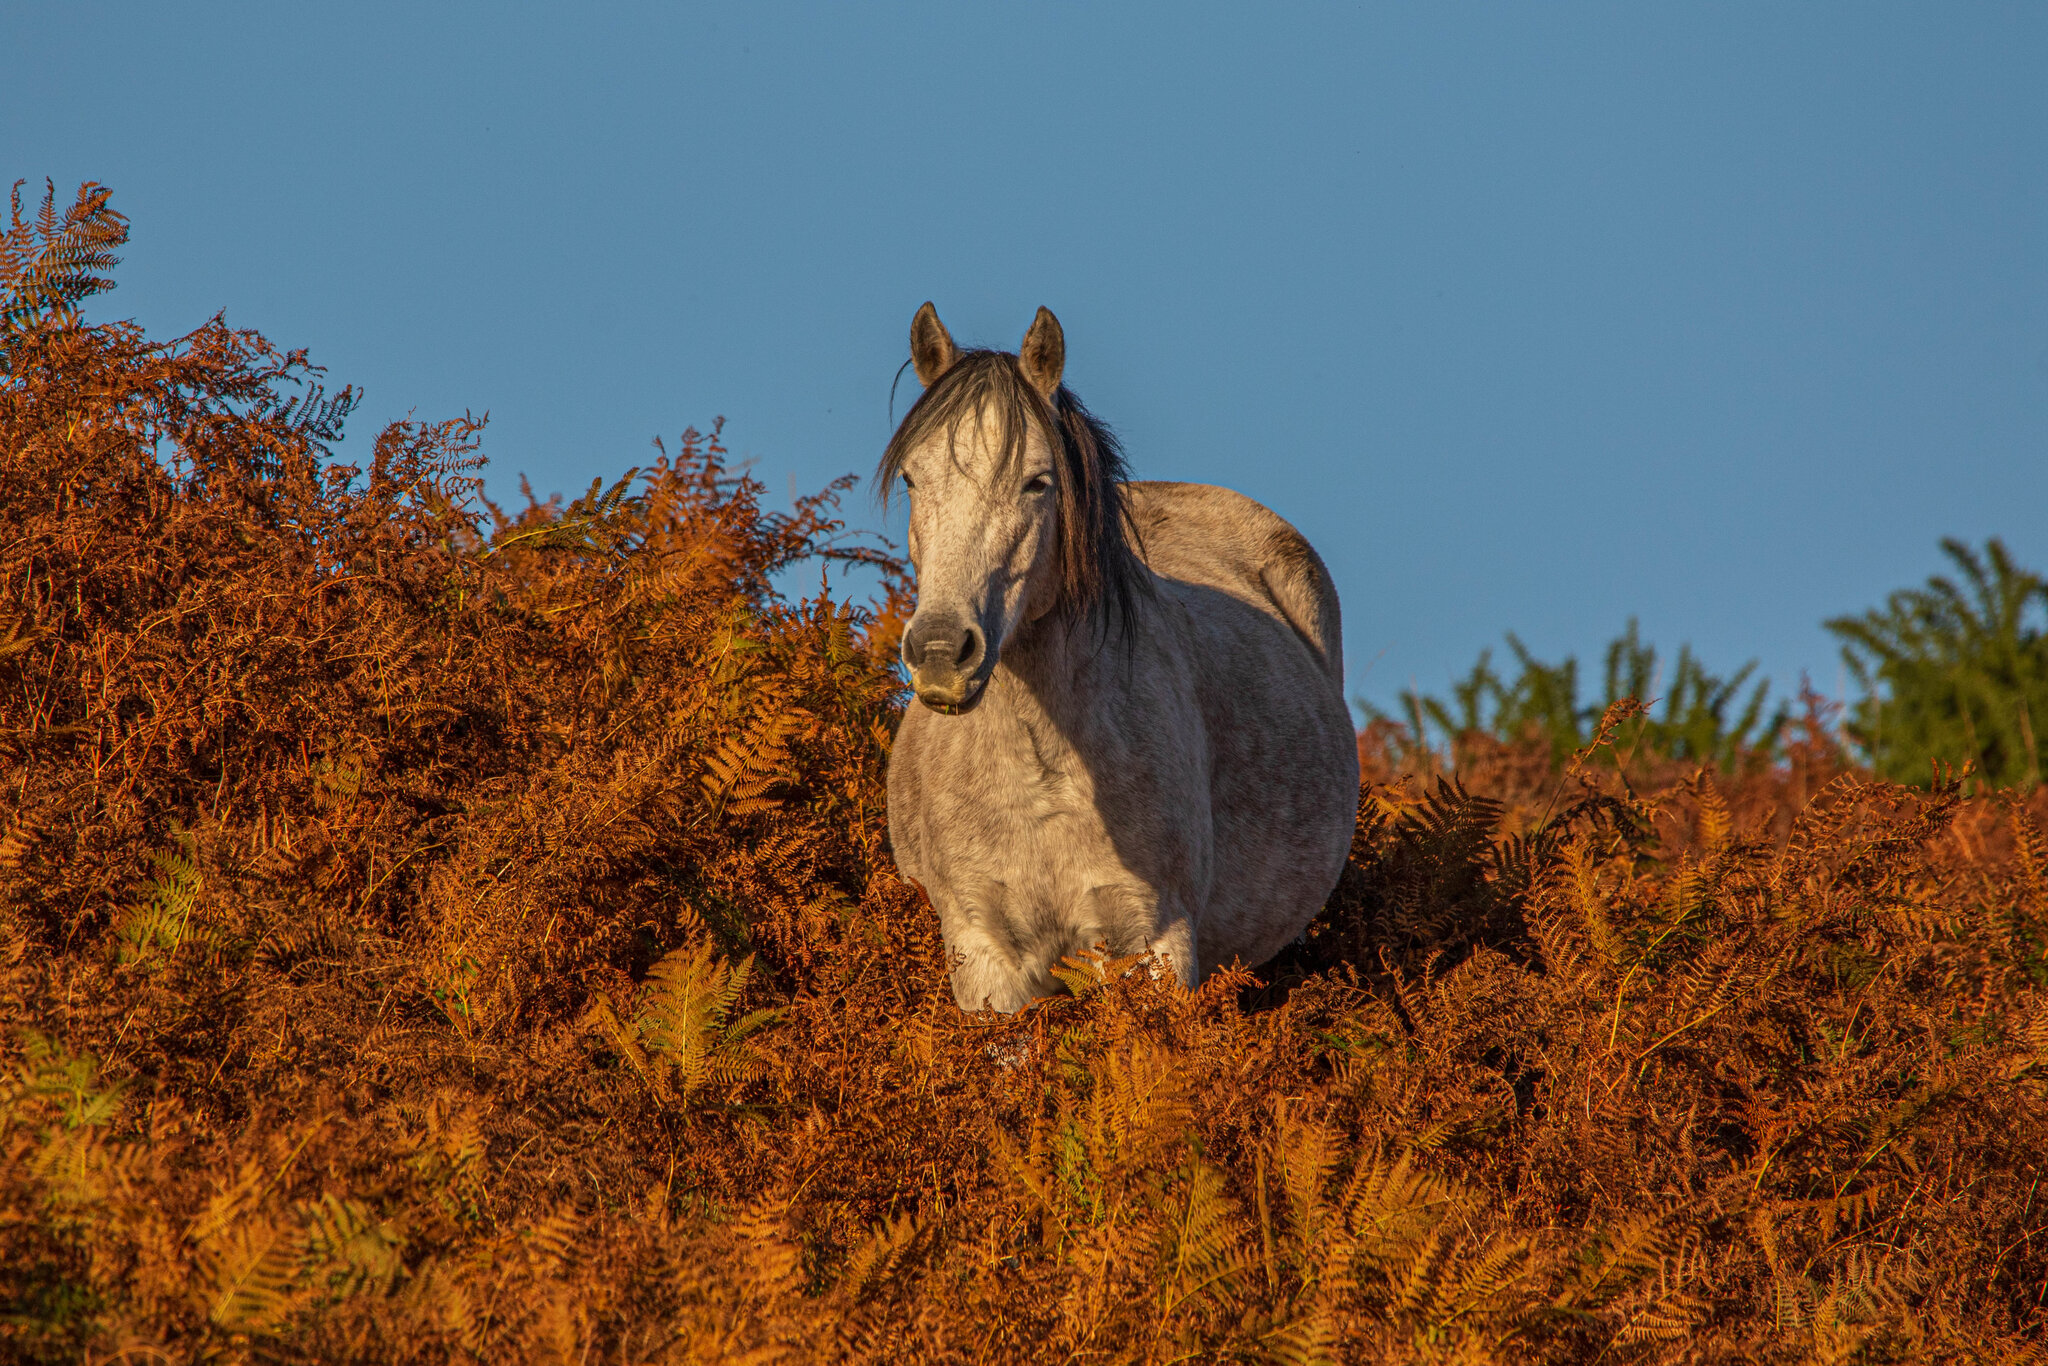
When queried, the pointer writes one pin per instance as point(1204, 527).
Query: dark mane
point(1097, 562)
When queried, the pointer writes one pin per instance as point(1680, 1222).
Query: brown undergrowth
point(430, 936)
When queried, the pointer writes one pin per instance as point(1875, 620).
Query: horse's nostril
point(940, 648)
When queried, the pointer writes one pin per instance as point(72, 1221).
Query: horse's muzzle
point(947, 692)
point(945, 657)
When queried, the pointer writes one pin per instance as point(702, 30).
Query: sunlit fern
point(1078, 1165)
point(603, 523)
point(683, 1038)
point(49, 264)
point(742, 774)
point(1955, 670)
point(1699, 715)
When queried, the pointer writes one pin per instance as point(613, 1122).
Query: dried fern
point(1639, 1063)
point(49, 264)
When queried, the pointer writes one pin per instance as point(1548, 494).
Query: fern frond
point(1304, 1154)
point(1139, 1108)
point(1589, 900)
point(253, 1275)
point(1086, 973)
point(1616, 1259)
point(1716, 823)
point(874, 1260)
point(1311, 1338)
point(1484, 1280)
point(48, 267)
point(348, 1249)
point(740, 775)
point(682, 1039)
point(152, 928)
point(1392, 1209)
point(771, 1256)
point(1199, 1246)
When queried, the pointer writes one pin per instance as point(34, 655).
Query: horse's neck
point(1051, 679)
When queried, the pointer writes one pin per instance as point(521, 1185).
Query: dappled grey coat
point(1130, 726)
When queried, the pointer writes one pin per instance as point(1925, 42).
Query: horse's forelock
point(1096, 559)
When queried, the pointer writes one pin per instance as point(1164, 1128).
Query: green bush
point(1703, 716)
point(1953, 672)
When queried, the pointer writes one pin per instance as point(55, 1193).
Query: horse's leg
point(1175, 946)
point(985, 974)
point(1135, 919)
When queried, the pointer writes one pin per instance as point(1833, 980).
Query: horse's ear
point(1044, 354)
point(931, 346)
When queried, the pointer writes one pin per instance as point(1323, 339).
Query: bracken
point(430, 934)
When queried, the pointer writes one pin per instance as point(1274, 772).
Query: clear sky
point(1532, 317)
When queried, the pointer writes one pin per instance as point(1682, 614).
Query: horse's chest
point(1051, 808)
point(1012, 808)
point(1041, 806)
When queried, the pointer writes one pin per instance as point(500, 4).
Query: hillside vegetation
point(429, 933)
point(1954, 670)
point(1539, 705)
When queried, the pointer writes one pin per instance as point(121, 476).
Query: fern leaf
point(349, 1249)
point(1200, 1242)
point(48, 267)
point(683, 1023)
point(255, 1270)
point(743, 770)
point(874, 1260)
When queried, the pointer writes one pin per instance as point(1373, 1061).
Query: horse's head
point(1015, 504)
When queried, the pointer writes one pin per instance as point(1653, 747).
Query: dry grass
point(418, 945)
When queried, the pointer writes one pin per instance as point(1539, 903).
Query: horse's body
point(1168, 767)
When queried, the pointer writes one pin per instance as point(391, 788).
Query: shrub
point(1953, 672)
point(1704, 718)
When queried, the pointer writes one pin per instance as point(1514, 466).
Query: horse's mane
point(1097, 559)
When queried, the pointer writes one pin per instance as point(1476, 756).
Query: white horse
point(1130, 725)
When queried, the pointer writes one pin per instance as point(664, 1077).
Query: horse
point(1128, 727)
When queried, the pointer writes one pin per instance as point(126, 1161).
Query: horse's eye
point(907, 485)
point(1038, 483)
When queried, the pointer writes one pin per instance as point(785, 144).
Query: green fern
point(55, 1118)
point(1954, 670)
point(152, 928)
point(1703, 716)
point(53, 1075)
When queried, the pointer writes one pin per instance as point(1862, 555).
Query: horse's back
point(1218, 538)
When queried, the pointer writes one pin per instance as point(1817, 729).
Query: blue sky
point(1533, 318)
